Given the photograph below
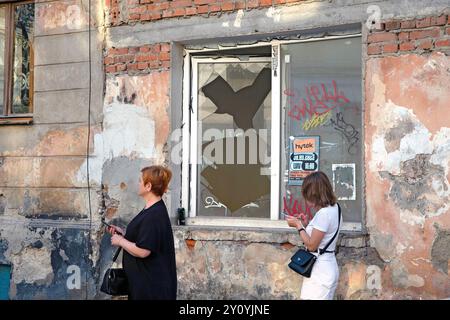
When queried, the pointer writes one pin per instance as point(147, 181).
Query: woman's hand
point(115, 229)
point(294, 222)
point(116, 240)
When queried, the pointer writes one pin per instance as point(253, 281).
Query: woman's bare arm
point(130, 247)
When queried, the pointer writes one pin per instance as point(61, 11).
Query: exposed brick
point(201, 2)
point(165, 47)
point(179, 12)
point(203, 9)
point(425, 44)
point(159, 6)
point(134, 16)
point(392, 25)
point(227, 6)
point(121, 67)
point(390, 47)
point(374, 49)
point(407, 46)
point(164, 56)
point(109, 60)
point(439, 21)
point(125, 58)
point(279, 1)
point(140, 9)
point(132, 67)
point(191, 11)
point(240, 4)
point(447, 31)
point(142, 58)
point(144, 49)
point(423, 23)
point(142, 65)
point(110, 69)
point(154, 64)
point(214, 8)
point(121, 51)
point(190, 243)
point(409, 24)
point(252, 3)
point(403, 36)
point(180, 3)
point(155, 15)
point(145, 17)
point(133, 50)
point(442, 43)
point(166, 64)
point(382, 37)
point(265, 3)
point(420, 34)
point(156, 48)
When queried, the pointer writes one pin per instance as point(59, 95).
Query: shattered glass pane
point(23, 58)
point(234, 104)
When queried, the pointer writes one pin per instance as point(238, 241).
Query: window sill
point(258, 235)
point(16, 120)
point(258, 223)
point(254, 235)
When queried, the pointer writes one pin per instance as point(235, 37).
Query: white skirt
point(323, 281)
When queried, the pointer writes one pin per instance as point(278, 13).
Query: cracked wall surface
point(408, 155)
point(50, 219)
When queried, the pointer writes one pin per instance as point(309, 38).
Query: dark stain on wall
point(440, 250)
point(2, 204)
point(70, 247)
point(395, 134)
point(3, 248)
point(410, 189)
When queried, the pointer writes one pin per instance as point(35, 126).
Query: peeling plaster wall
point(43, 167)
point(408, 157)
point(44, 200)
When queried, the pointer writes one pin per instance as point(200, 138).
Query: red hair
point(158, 176)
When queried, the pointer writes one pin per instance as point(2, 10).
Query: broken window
point(16, 61)
point(322, 110)
point(233, 137)
point(305, 94)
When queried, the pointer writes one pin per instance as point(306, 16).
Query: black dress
point(153, 277)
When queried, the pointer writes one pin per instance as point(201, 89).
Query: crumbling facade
point(120, 84)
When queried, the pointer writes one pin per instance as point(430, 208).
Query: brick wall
point(418, 35)
point(131, 11)
point(135, 60)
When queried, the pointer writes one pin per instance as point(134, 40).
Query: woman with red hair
point(148, 244)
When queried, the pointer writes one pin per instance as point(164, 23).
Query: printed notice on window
point(303, 158)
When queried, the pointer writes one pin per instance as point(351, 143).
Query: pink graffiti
point(295, 208)
point(318, 101)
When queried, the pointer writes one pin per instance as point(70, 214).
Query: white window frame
point(190, 149)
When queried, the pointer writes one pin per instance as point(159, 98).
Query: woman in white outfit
point(315, 234)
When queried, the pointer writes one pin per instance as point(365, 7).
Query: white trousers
point(323, 281)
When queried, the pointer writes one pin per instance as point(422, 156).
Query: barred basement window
point(16, 61)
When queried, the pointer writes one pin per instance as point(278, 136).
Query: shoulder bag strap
point(337, 231)
point(116, 254)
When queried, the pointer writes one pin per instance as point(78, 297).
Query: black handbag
point(303, 261)
point(115, 282)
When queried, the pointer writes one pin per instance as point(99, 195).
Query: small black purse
point(303, 261)
point(115, 282)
